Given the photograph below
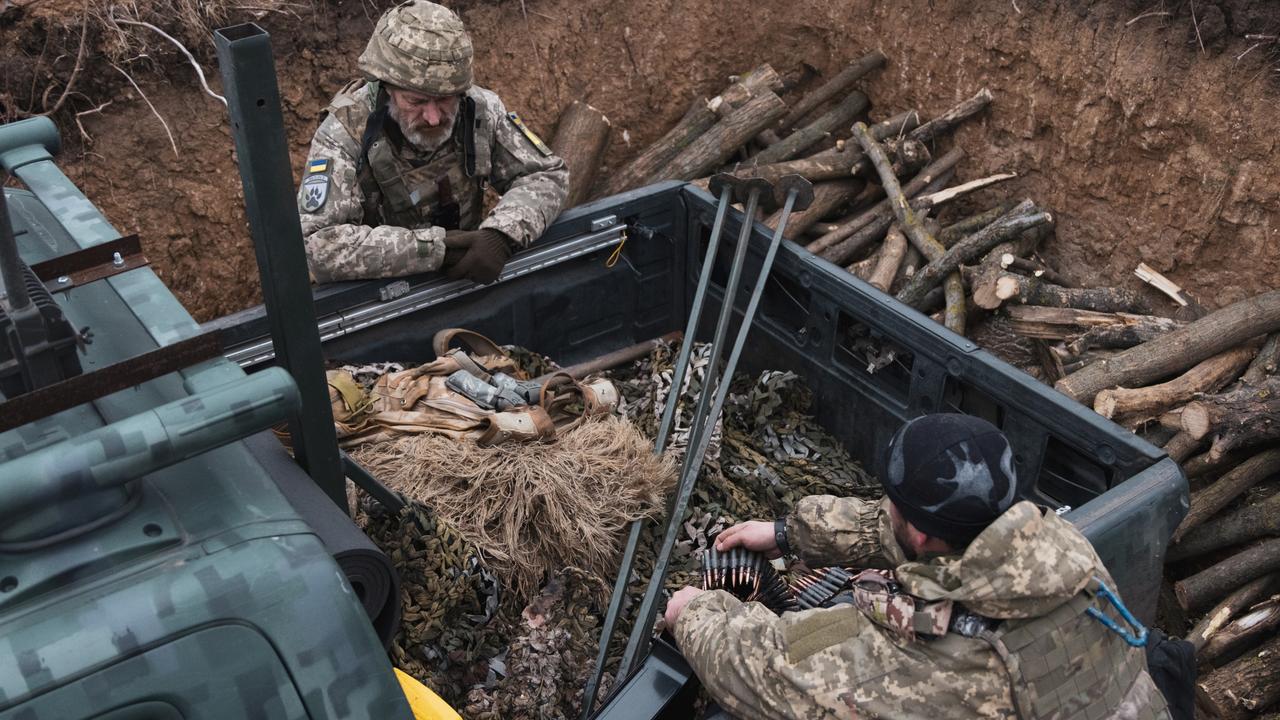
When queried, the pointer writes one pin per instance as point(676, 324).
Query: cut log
point(834, 164)
point(1201, 589)
point(700, 118)
point(837, 118)
point(840, 247)
point(581, 139)
point(1243, 597)
point(1265, 362)
point(1245, 632)
point(1245, 687)
point(1033, 291)
point(1178, 350)
point(952, 234)
point(942, 124)
point(715, 146)
point(1050, 323)
point(1243, 417)
point(1181, 446)
point(863, 268)
point(1209, 376)
point(827, 197)
point(1241, 526)
point(1207, 502)
point(1143, 328)
point(1204, 464)
point(1009, 261)
point(837, 85)
point(1020, 219)
point(890, 259)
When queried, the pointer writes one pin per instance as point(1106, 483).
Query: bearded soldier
point(984, 607)
point(396, 175)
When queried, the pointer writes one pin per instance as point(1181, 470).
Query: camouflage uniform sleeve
point(739, 652)
point(829, 530)
point(533, 185)
point(834, 663)
point(339, 245)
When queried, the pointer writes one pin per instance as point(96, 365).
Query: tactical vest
point(1066, 665)
point(403, 189)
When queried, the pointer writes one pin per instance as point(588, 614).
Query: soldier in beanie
point(982, 606)
point(395, 180)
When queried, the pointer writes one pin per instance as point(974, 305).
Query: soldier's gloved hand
point(754, 535)
point(483, 253)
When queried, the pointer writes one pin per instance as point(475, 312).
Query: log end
point(1195, 419)
point(1007, 286)
point(1105, 404)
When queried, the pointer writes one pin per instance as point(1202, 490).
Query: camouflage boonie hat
point(420, 46)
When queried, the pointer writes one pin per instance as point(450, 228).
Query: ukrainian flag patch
point(529, 134)
point(317, 166)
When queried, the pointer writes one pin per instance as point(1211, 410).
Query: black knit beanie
point(950, 475)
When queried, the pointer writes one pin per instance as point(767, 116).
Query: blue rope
point(1137, 638)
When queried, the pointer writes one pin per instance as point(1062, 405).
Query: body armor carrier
point(1073, 663)
point(408, 188)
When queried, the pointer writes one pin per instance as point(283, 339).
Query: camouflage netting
point(491, 656)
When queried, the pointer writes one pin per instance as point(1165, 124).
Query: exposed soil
point(1137, 124)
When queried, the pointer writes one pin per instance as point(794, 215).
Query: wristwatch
point(780, 535)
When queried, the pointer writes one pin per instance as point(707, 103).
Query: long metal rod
point(257, 127)
point(660, 446)
point(700, 437)
point(15, 285)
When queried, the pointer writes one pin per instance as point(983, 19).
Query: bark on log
point(1009, 261)
point(715, 146)
point(953, 233)
point(1247, 631)
point(840, 247)
point(837, 118)
point(899, 203)
point(1017, 221)
point(927, 132)
point(1207, 502)
point(834, 164)
point(863, 268)
point(1144, 329)
point(1243, 597)
point(1264, 363)
point(1243, 525)
point(1033, 291)
point(1209, 376)
point(891, 255)
point(1242, 688)
point(581, 139)
point(827, 197)
point(1181, 446)
point(1050, 323)
point(700, 117)
point(837, 85)
point(1247, 416)
point(1205, 464)
point(1212, 583)
point(1178, 350)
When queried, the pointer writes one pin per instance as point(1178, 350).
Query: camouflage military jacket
point(382, 217)
point(850, 662)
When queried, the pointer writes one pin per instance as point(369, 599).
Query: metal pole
point(700, 435)
point(660, 446)
point(15, 285)
point(253, 101)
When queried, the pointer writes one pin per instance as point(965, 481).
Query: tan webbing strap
point(473, 342)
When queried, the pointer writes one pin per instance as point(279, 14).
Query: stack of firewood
point(1203, 385)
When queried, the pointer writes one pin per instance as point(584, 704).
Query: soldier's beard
point(421, 135)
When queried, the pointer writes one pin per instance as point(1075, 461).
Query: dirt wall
point(1147, 134)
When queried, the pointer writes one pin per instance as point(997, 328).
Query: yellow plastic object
point(425, 704)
